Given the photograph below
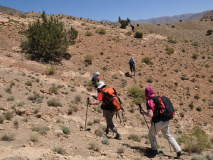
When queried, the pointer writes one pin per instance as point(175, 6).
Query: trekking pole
point(141, 111)
point(86, 113)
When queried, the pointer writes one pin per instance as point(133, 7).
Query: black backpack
point(94, 78)
point(131, 62)
point(164, 109)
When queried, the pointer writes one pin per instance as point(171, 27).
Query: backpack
point(113, 100)
point(131, 62)
point(164, 108)
point(94, 78)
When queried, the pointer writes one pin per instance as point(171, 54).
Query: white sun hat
point(101, 84)
point(97, 73)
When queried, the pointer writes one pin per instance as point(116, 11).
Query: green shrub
point(196, 141)
point(77, 98)
point(123, 23)
point(120, 150)
point(11, 98)
point(170, 51)
point(34, 138)
point(195, 55)
point(207, 65)
point(88, 33)
point(146, 60)
point(197, 96)
point(171, 40)
point(138, 34)
point(72, 34)
point(1, 119)
point(150, 80)
point(199, 109)
point(181, 114)
point(28, 83)
point(59, 150)
point(88, 59)
point(128, 33)
point(94, 147)
point(195, 43)
point(28, 56)
point(65, 130)
point(105, 141)
point(8, 90)
point(41, 130)
point(51, 70)
point(8, 137)
point(53, 89)
point(209, 32)
point(101, 31)
point(8, 115)
point(21, 103)
point(134, 137)
point(98, 133)
point(137, 94)
point(47, 39)
point(23, 16)
point(54, 102)
point(12, 20)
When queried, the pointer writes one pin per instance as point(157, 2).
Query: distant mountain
point(173, 19)
point(169, 20)
point(8, 10)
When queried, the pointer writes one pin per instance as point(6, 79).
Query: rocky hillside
point(32, 128)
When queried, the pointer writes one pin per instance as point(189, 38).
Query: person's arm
point(97, 102)
point(149, 113)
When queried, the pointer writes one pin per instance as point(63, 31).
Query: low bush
point(65, 130)
point(171, 40)
point(196, 141)
point(88, 59)
point(134, 137)
point(53, 89)
point(138, 34)
point(195, 43)
point(54, 102)
point(146, 60)
point(8, 137)
point(51, 70)
point(59, 150)
point(170, 51)
point(137, 94)
point(94, 147)
point(195, 55)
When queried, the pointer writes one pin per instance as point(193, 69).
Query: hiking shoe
point(118, 137)
point(179, 154)
point(151, 151)
point(106, 130)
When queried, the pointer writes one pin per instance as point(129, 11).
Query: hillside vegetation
point(43, 105)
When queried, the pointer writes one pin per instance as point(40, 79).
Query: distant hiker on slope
point(95, 79)
point(159, 122)
point(132, 65)
point(133, 28)
point(108, 113)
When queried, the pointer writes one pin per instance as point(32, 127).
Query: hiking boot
point(106, 130)
point(151, 151)
point(179, 154)
point(118, 137)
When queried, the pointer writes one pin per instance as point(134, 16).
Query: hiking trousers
point(109, 116)
point(162, 126)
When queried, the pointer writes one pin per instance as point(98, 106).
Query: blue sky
point(112, 9)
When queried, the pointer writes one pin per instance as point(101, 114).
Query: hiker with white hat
point(108, 114)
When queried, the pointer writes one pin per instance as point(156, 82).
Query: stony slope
point(178, 76)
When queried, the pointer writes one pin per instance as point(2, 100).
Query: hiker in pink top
point(162, 126)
